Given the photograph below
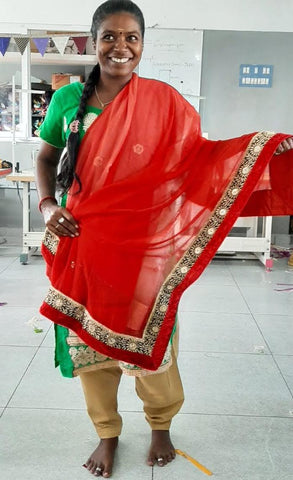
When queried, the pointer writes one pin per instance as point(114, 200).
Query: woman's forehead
point(122, 21)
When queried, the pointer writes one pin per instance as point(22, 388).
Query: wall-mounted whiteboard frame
point(175, 57)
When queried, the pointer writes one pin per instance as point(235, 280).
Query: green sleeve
point(52, 129)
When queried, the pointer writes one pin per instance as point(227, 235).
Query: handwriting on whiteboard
point(174, 56)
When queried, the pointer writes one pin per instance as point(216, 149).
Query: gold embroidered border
point(50, 241)
point(145, 344)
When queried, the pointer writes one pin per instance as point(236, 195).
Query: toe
point(93, 470)
point(98, 471)
point(107, 471)
point(151, 461)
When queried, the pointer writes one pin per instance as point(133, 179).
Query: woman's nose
point(120, 42)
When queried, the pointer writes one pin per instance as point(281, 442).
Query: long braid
point(68, 162)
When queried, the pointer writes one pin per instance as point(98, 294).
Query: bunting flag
point(60, 43)
point(41, 44)
point(21, 43)
point(4, 42)
point(80, 42)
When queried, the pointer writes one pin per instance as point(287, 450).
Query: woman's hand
point(284, 146)
point(59, 220)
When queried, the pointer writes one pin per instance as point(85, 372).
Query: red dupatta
point(157, 201)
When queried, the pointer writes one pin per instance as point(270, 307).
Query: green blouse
point(61, 112)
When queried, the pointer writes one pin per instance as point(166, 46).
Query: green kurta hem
point(62, 357)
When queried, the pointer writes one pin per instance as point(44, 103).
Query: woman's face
point(119, 45)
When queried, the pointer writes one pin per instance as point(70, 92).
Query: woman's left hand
point(284, 146)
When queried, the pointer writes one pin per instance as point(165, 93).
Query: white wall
point(253, 15)
point(229, 110)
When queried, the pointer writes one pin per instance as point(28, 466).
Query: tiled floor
point(236, 362)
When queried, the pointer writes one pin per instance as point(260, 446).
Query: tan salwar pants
point(162, 396)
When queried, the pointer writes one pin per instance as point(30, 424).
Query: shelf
point(50, 59)
point(6, 137)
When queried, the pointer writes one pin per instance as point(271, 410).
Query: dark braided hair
point(68, 162)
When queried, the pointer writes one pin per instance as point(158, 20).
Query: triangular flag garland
point(4, 42)
point(21, 43)
point(80, 42)
point(60, 43)
point(41, 44)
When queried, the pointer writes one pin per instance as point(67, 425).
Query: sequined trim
point(141, 372)
point(145, 344)
point(85, 359)
point(50, 241)
point(88, 119)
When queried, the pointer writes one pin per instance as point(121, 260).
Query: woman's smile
point(120, 60)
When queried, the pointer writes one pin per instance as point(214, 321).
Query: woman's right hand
point(59, 220)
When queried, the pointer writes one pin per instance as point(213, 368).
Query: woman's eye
point(132, 38)
point(108, 37)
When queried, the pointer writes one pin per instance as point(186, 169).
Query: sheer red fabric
point(157, 200)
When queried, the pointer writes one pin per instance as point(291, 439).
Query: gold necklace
point(103, 105)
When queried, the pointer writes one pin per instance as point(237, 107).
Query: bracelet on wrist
point(44, 200)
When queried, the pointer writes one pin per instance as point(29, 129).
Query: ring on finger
point(57, 226)
point(160, 459)
point(61, 220)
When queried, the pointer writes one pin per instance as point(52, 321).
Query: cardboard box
point(61, 79)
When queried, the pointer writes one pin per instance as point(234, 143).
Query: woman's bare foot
point(161, 450)
point(100, 462)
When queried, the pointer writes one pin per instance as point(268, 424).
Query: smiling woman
point(118, 45)
point(149, 203)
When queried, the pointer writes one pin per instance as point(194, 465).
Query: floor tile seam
point(215, 313)
point(252, 315)
point(238, 313)
point(30, 305)
point(21, 346)
point(283, 377)
point(44, 339)
point(57, 409)
point(22, 376)
point(18, 306)
point(231, 312)
point(8, 266)
point(139, 412)
point(274, 360)
point(211, 284)
point(282, 354)
point(234, 415)
point(279, 315)
point(217, 352)
point(18, 407)
point(13, 345)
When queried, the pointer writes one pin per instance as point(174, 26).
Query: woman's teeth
point(119, 60)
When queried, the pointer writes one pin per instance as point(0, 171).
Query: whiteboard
point(174, 56)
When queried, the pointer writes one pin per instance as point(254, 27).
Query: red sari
point(157, 200)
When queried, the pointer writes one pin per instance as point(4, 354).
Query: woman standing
point(148, 203)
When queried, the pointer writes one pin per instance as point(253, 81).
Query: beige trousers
point(162, 396)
